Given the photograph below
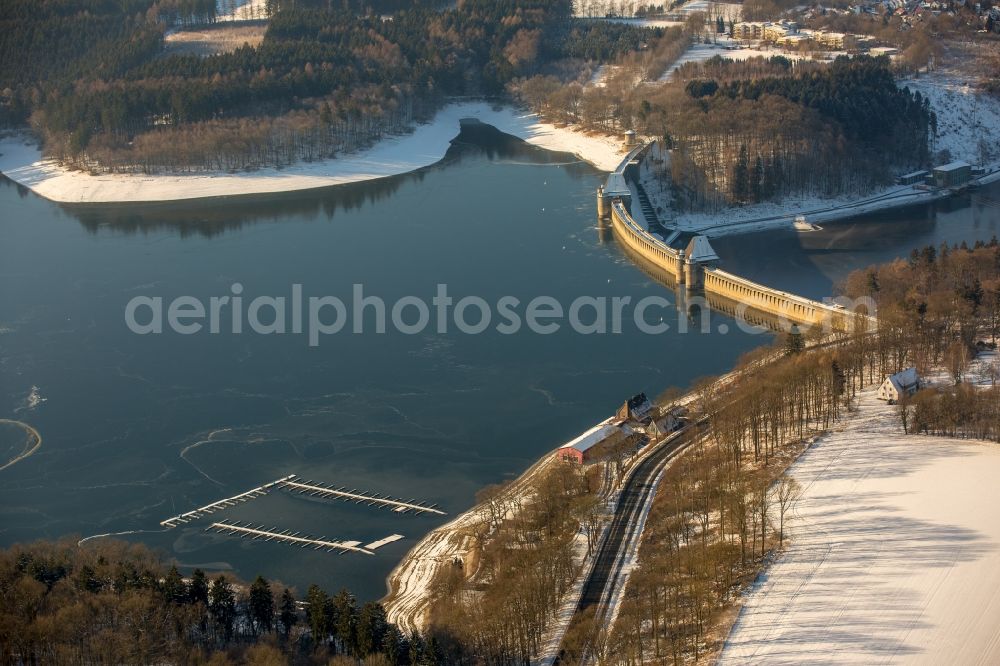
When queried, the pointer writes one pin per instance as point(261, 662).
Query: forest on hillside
point(841, 128)
point(943, 304)
point(740, 132)
point(327, 78)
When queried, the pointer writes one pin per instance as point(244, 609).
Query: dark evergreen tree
point(198, 590)
point(416, 648)
point(372, 629)
point(261, 606)
point(175, 590)
point(394, 645)
point(757, 180)
point(741, 176)
point(222, 607)
point(288, 614)
point(346, 620)
point(794, 342)
point(316, 603)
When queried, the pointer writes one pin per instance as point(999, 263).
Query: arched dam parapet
point(645, 244)
point(698, 271)
point(788, 307)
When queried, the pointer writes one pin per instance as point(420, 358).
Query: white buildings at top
point(789, 34)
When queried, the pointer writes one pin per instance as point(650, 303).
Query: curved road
point(599, 587)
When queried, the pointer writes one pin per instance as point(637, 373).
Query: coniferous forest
point(829, 130)
point(742, 132)
point(92, 79)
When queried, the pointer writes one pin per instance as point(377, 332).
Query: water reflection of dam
point(696, 306)
point(695, 268)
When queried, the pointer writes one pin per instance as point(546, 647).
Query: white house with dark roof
point(904, 383)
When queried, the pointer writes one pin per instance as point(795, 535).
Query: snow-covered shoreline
point(409, 583)
point(815, 210)
point(22, 162)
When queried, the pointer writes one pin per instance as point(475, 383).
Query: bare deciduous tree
point(788, 491)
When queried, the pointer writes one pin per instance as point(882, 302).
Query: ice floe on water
point(31, 401)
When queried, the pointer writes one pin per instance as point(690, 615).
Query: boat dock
point(315, 489)
point(224, 503)
point(248, 531)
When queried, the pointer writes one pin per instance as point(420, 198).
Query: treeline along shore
point(327, 79)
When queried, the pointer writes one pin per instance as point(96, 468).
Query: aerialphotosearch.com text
point(362, 313)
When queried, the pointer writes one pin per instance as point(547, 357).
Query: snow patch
point(21, 161)
point(895, 553)
point(240, 10)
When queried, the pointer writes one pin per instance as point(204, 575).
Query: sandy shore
point(21, 161)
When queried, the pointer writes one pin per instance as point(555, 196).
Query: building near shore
point(952, 174)
point(626, 430)
point(636, 408)
point(596, 443)
point(749, 30)
point(912, 178)
point(667, 422)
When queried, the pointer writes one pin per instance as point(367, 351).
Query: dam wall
point(789, 307)
point(696, 269)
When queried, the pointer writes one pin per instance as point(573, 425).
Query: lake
point(138, 428)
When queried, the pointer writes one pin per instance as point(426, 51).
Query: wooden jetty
point(315, 489)
point(224, 503)
point(260, 533)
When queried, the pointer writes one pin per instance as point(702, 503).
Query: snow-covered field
point(627, 8)
point(895, 554)
point(965, 119)
point(647, 22)
point(711, 9)
point(427, 144)
point(240, 10)
point(733, 49)
point(217, 39)
point(696, 53)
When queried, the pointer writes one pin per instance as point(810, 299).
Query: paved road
point(599, 586)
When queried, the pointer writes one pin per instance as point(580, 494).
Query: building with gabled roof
point(903, 383)
point(636, 408)
point(595, 443)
